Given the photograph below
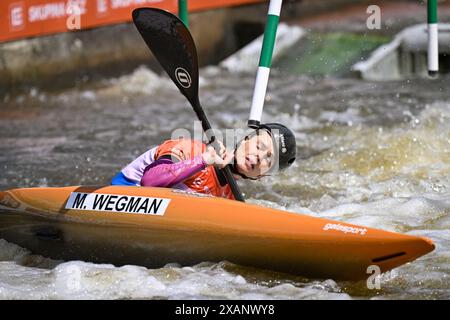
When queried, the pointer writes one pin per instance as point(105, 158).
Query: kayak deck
point(155, 226)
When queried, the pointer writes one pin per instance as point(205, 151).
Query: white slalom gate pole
point(433, 44)
point(265, 61)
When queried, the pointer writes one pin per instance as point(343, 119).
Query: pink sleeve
point(165, 173)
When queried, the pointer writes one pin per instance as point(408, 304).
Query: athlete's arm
point(165, 173)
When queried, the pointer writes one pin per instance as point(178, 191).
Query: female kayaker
point(192, 165)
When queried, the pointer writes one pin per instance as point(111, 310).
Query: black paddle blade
point(172, 44)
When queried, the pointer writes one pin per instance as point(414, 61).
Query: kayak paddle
point(171, 43)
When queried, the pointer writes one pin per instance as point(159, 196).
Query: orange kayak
point(155, 226)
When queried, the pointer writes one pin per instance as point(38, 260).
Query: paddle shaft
point(212, 139)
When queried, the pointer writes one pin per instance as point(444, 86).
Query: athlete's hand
point(219, 160)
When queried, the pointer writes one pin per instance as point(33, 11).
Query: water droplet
point(33, 92)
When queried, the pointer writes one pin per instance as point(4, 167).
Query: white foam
point(81, 280)
point(10, 251)
point(142, 81)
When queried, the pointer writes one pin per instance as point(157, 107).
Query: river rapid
point(370, 153)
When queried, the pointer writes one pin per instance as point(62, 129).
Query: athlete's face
point(255, 155)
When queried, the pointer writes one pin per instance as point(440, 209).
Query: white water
point(372, 154)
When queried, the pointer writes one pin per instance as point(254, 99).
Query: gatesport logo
point(183, 77)
point(345, 229)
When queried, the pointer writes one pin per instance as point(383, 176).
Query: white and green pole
point(265, 61)
point(183, 12)
point(433, 45)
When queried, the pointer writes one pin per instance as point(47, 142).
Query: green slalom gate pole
point(433, 44)
point(265, 61)
point(183, 11)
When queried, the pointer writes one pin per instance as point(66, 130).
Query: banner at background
point(26, 18)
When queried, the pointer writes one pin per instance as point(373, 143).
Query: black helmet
point(284, 146)
point(284, 142)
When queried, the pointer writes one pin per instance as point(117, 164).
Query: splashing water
point(374, 154)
